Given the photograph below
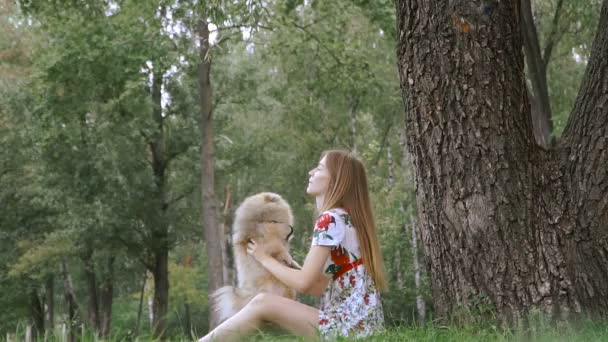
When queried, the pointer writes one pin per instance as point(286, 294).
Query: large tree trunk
point(209, 210)
point(504, 224)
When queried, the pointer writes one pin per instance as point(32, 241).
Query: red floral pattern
point(339, 256)
point(323, 222)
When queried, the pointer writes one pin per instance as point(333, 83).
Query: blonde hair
point(347, 189)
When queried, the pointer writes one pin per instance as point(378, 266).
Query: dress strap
point(347, 267)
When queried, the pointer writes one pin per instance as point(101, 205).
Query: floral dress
point(351, 305)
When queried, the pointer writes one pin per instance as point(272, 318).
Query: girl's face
point(319, 179)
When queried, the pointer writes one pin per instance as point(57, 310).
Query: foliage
point(290, 79)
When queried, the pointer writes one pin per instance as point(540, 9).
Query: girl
point(344, 264)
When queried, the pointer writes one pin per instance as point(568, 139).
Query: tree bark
point(70, 298)
point(160, 234)
point(106, 293)
point(161, 292)
point(420, 303)
point(91, 281)
point(37, 315)
point(209, 208)
point(141, 302)
point(50, 301)
point(505, 225)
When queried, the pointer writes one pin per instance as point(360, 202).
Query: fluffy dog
point(267, 219)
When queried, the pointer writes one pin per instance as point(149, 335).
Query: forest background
point(130, 130)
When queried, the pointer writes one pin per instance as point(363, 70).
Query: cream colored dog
point(267, 219)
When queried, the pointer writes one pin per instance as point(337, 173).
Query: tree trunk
point(420, 303)
point(141, 303)
point(187, 320)
point(91, 281)
point(149, 289)
point(72, 306)
point(37, 315)
point(161, 293)
point(209, 209)
point(160, 234)
point(505, 225)
point(406, 168)
point(106, 293)
point(50, 302)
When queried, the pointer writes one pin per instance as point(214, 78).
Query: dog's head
point(263, 215)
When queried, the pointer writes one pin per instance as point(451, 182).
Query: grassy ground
point(584, 331)
point(587, 331)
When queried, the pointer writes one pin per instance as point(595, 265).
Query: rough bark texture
point(505, 225)
point(209, 208)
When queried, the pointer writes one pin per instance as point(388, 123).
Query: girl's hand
point(257, 253)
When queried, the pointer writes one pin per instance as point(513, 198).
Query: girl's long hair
point(348, 189)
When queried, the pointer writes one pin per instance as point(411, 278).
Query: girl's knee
point(259, 300)
point(259, 304)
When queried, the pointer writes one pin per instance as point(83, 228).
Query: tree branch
point(553, 37)
point(178, 198)
point(541, 113)
point(304, 29)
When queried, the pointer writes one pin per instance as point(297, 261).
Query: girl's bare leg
point(293, 316)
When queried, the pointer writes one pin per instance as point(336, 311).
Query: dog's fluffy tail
point(228, 300)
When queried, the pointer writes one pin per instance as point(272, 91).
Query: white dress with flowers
point(351, 305)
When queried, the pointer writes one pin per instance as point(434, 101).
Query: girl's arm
point(320, 285)
point(306, 280)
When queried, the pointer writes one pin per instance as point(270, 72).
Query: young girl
point(344, 264)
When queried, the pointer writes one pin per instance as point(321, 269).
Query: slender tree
point(209, 207)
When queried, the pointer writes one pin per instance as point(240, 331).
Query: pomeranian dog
point(266, 218)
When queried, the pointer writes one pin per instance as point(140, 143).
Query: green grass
point(540, 331)
point(587, 331)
